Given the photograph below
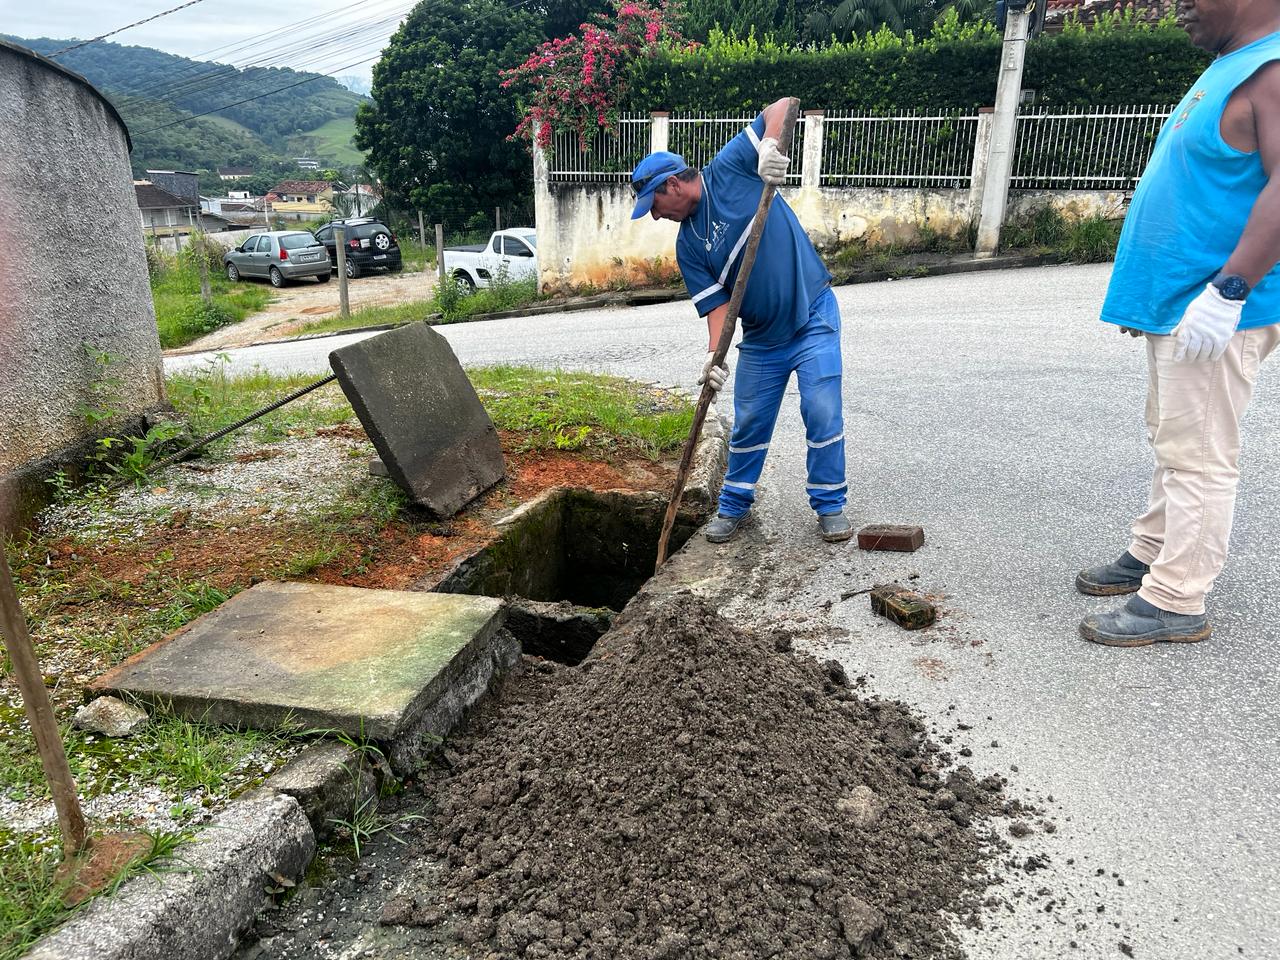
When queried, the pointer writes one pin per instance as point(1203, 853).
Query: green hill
point(151, 88)
point(331, 142)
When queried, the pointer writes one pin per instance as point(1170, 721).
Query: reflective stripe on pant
point(1193, 424)
point(759, 383)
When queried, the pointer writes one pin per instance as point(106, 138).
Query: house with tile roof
point(302, 199)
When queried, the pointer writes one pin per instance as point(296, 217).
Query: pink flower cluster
point(575, 83)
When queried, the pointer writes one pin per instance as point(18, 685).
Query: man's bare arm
point(1259, 248)
point(715, 323)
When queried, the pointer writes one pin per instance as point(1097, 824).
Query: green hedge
point(954, 68)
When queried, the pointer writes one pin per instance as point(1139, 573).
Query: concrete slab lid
point(363, 661)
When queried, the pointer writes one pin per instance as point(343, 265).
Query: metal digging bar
point(726, 338)
point(204, 441)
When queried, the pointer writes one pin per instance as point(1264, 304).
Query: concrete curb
point(199, 909)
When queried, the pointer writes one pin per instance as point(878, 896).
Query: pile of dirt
point(693, 790)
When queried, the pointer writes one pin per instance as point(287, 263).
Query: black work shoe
point(1113, 579)
point(835, 527)
point(1139, 623)
point(722, 529)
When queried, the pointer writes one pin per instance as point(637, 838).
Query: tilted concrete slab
point(367, 662)
point(423, 416)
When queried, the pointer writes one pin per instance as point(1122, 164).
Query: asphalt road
point(996, 411)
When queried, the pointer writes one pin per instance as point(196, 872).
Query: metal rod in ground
point(722, 346)
point(204, 441)
point(35, 699)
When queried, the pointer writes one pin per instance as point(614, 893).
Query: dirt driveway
point(307, 301)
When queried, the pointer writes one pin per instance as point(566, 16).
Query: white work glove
point(772, 165)
point(716, 376)
point(1207, 327)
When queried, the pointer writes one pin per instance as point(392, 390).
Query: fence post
point(659, 131)
point(1004, 133)
point(811, 161)
point(440, 254)
point(422, 232)
point(978, 172)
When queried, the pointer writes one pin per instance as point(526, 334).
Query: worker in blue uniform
point(789, 316)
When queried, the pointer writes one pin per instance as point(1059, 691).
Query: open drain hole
point(573, 558)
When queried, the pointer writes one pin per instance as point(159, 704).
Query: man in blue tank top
point(790, 319)
point(1196, 276)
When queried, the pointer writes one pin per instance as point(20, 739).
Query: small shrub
point(1092, 240)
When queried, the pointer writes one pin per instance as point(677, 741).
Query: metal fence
point(610, 155)
point(863, 149)
point(1091, 148)
point(698, 139)
point(1056, 148)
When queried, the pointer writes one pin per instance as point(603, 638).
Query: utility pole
point(1004, 128)
point(340, 248)
point(35, 699)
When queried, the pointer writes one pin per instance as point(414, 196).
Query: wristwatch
point(1232, 286)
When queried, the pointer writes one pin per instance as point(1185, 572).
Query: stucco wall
point(72, 266)
point(586, 234)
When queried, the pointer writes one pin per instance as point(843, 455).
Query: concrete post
point(1004, 131)
point(981, 149)
point(544, 216)
point(659, 131)
point(340, 249)
point(811, 162)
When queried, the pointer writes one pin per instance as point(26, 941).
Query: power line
point(228, 106)
point(85, 43)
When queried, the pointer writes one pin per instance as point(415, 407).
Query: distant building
point(180, 183)
point(234, 173)
point(306, 163)
point(361, 199)
point(302, 199)
point(1059, 12)
point(163, 213)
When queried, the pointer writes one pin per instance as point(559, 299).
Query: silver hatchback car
point(279, 256)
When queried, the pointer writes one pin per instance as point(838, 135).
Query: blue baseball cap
point(651, 173)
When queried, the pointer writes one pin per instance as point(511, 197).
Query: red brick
point(891, 536)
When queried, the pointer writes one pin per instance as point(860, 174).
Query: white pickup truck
point(513, 252)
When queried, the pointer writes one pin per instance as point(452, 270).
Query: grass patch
point(1087, 240)
point(558, 410)
point(181, 314)
point(415, 255)
point(31, 898)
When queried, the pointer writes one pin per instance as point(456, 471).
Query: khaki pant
point(1193, 424)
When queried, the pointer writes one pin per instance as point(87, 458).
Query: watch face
point(1232, 287)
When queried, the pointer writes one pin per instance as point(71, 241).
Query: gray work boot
point(835, 527)
point(1139, 623)
point(722, 529)
point(1112, 579)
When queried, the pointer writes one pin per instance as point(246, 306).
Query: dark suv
point(370, 245)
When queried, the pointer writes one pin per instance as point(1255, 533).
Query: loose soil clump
point(694, 790)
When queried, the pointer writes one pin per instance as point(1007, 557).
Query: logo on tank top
point(1195, 102)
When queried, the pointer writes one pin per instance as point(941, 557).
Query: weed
point(367, 822)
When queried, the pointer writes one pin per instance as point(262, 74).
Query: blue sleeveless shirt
point(1190, 208)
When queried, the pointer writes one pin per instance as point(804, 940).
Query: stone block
point(908, 610)
point(891, 536)
point(367, 662)
point(423, 416)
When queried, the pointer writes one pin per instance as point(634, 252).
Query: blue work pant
point(758, 385)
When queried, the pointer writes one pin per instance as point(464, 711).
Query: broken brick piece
point(908, 610)
point(903, 538)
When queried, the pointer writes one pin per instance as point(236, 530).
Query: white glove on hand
point(716, 376)
point(772, 165)
point(1207, 327)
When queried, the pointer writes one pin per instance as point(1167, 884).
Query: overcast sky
point(202, 28)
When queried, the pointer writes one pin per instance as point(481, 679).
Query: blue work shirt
point(788, 274)
point(1190, 208)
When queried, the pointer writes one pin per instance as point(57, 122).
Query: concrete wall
point(72, 270)
point(586, 234)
